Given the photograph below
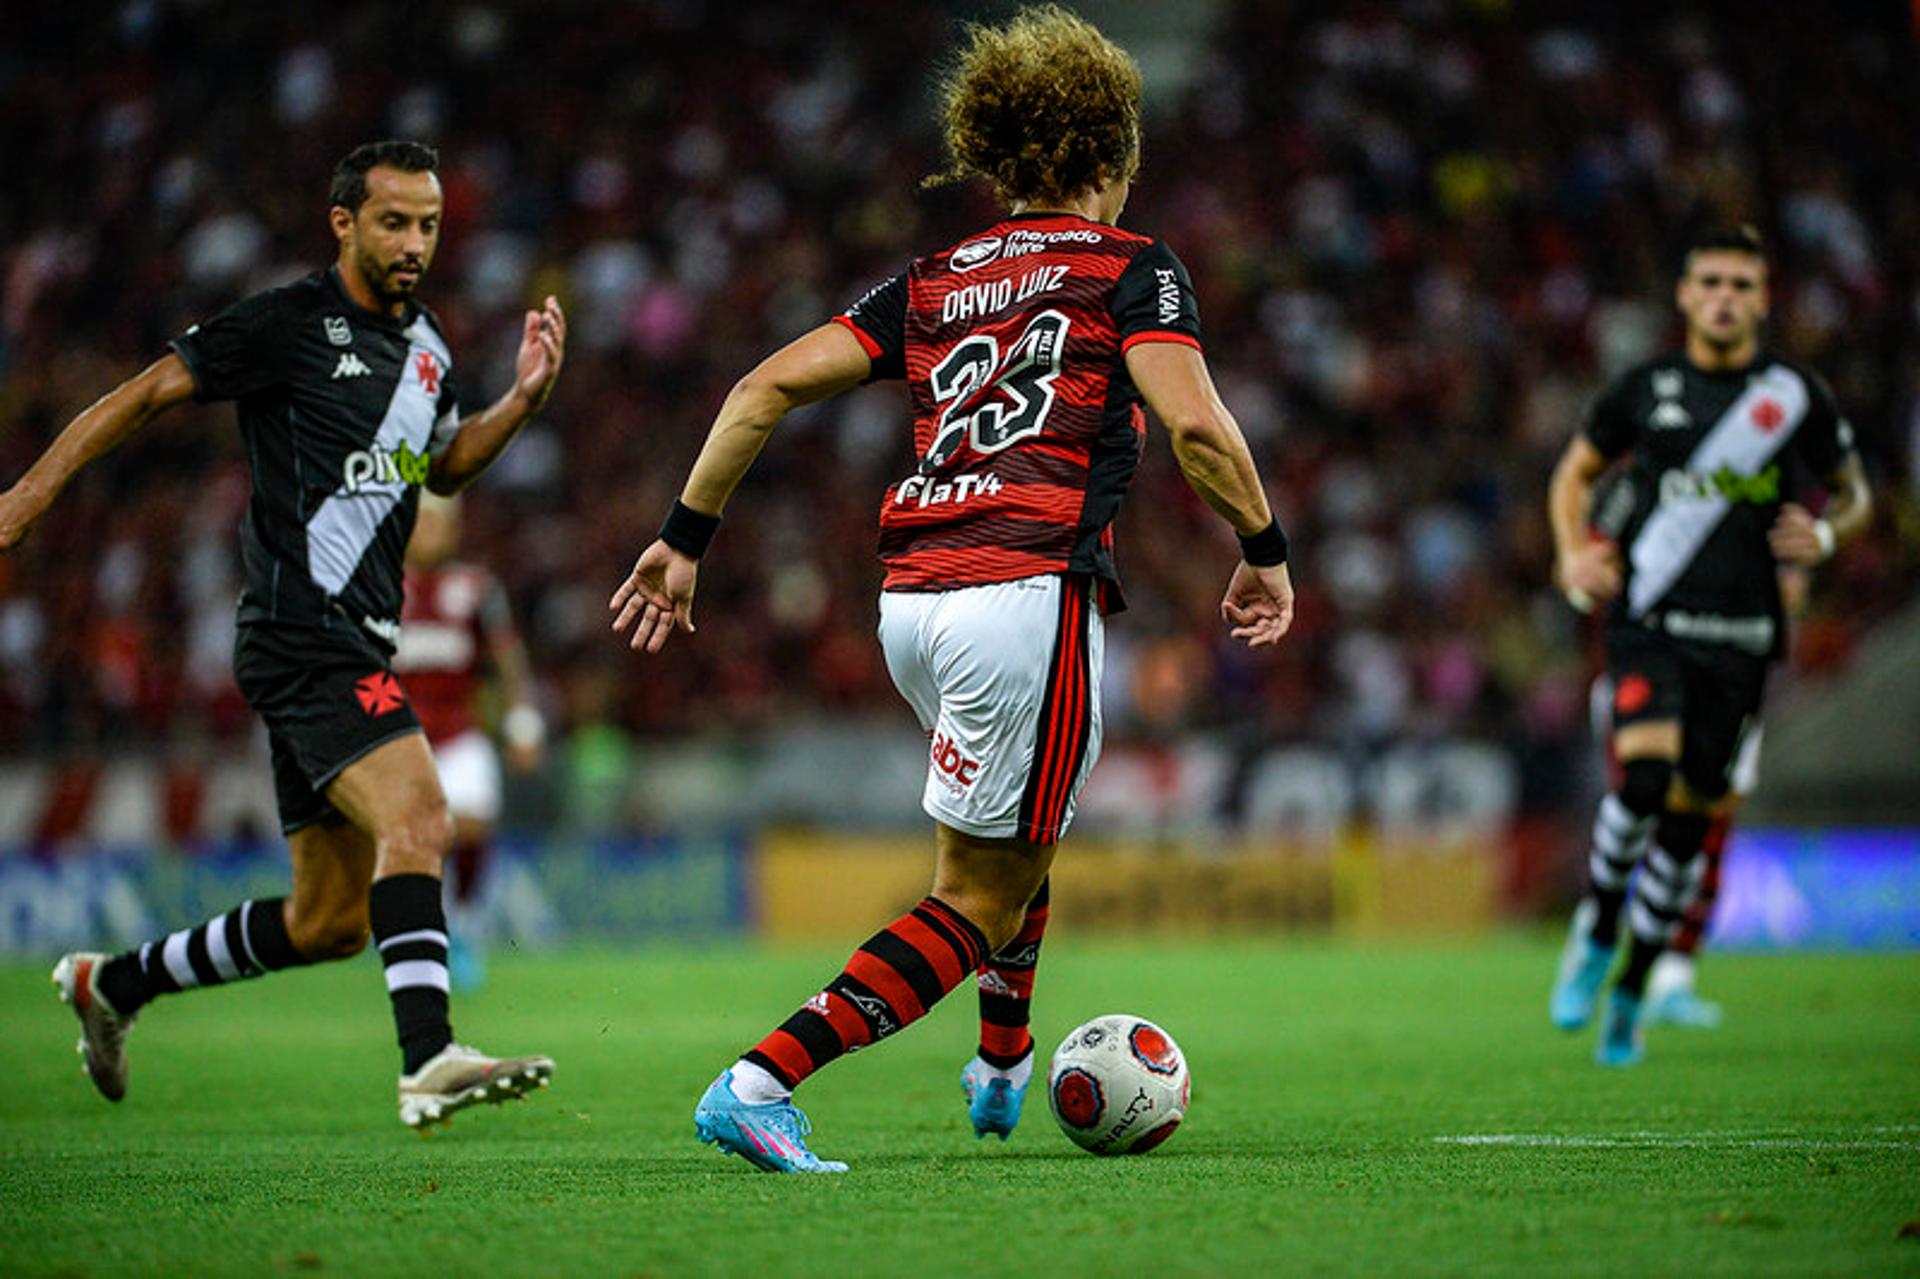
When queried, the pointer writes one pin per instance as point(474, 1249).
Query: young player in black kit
point(344, 390)
point(1721, 436)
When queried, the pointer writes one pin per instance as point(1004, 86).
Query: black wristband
point(1266, 548)
point(687, 530)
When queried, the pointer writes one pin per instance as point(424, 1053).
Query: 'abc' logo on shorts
point(947, 757)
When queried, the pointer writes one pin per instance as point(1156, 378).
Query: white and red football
point(1118, 1085)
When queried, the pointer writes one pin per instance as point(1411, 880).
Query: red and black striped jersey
point(1025, 422)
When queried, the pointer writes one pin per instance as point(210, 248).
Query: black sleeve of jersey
point(237, 352)
point(1826, 437)
point(1153, 300)
point(879, 320)
point(1610, 426)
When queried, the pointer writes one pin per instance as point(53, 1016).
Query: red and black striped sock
point(892, 980)
point(1006, 990)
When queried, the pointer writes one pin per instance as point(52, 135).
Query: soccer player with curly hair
point(1028, 350)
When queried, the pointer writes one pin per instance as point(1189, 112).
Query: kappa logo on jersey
point(385, 466)
point(339, 332)
point(1668, 416)
point(379, 694)
point(976, 253)
point(351, 365)
point(428, 369)
point(950, 761)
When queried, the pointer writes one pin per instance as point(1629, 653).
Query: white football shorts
point(469, 768)
point(1005, 679)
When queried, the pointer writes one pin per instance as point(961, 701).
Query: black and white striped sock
point(1620, 840)
point(410, 927)
point(247, 941)
point(1661, 894)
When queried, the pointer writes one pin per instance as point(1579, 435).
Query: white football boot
point(103, 1032)
point(458, 1076)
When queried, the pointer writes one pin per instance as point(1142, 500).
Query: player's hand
point(17, 513)
point(1259, 604)
point(1795, 537)
point(1590, 575)
point(543, 345)
point(658, 594)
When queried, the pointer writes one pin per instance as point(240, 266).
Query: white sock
point(1019, 1075)
point(755, 1086)
point(1671, 972)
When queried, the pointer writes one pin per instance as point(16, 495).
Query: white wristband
point(1823, 534)
point(523, 726)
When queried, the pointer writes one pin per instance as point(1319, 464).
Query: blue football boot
point(770, 1136)
point(1622, 1040)
point(1583, 970)
point(993, 1100)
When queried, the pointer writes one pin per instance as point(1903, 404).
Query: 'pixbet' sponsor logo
point(952, 763)
point(377, 465)
point(976, 253)
point(1724, 484)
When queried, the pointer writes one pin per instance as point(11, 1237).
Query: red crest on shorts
point(379, 694)
point(429, 370)
point(1768, 414)
point(1632, 696)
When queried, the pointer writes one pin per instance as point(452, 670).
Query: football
point(1118, 1085)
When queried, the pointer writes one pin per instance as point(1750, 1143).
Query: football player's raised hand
point(658, 595)
point(18, 511)
point(543, 345)
point(1258, 604)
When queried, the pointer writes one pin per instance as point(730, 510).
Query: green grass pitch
point(259, 1136)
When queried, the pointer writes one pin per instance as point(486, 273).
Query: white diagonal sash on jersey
point(345, 525)
point(1676, 531)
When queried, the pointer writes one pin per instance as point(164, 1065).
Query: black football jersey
point(342, 410)
point(1713, 456)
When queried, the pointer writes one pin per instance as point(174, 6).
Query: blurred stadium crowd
point(1422, 233)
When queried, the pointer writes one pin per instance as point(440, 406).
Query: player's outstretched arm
point(1588, 570)
point(658, 594)
point(1797, 538)
point(1213, 456)
point(105, 424)
point(482, 437)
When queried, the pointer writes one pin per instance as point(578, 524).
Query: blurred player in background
point(345, 396)
point(1027, 350)
point(1721, 434)
point(455, 627)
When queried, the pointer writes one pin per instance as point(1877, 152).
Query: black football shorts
point(1713, 690)
point(328, 696)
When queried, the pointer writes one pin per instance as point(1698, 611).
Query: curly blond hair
point(1044, 107)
